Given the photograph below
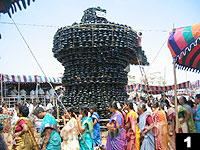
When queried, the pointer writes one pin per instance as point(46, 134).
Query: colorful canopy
point(158, 89)
point(30, 78)
point(7, 5)
point(184, 44)
point(195, 84)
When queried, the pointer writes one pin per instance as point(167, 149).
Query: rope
point(157, 55)
point(45, 76)
point(56, 26)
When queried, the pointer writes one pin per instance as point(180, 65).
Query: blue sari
point(54, 142)
point(96, 130)
point(149, 140)
point(197, 119)
point(87, 124)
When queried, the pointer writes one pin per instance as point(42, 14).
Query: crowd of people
point(138, 124)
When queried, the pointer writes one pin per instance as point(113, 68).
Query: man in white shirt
point(23, 93)
point(40, 91)
point(49, 108)
point(13, 92)
point(47, 96)
point(40, 105)
point(51, 92)
point(32, 94)
point(30, 108)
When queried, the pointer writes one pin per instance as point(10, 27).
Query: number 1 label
point(188, 140)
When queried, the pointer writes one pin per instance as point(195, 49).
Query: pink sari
point(162, 126)
point(171, 125)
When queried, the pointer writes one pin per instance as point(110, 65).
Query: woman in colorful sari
point(3, 119)
point(132, 130)
point(85, 126)
point(96, 128)
point(160, 119)
point(171, 115)
point(183, 116)
point(5, 109)
point(146, 125)
point(7, 129)
point(185, 119)
point(50, 138)
point(116, 129)
point(69, 132)
point(197, 117)
point(23, 133)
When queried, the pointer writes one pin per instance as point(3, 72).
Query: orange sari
point(162, 126)
point(133, 132)
point(7, 123)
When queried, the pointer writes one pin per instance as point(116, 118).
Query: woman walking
point(96, 127)
point(146, 125)
point(132, 130)
point(160, 119)
point(50, 138)
point(69, 132)
point(3, 119)
point(171, 115)
point(116, 129)
point(85, 125)
point(23, 134)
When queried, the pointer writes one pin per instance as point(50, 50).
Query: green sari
point(190, 121)
point(87, 124)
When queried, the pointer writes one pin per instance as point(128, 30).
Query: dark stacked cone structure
point(95, 53)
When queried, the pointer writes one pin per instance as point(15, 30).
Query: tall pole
point(1, 89)
point(175, 91)
point(5, 89)
point(18, 90)
point(36, 92)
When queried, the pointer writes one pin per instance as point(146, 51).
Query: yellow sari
point(133, 133)
point(26, 141)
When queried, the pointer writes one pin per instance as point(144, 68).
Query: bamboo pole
point(175, 92)
point(5, 94)
point(1, 90)
point(5, 89)
point(58, 122)
point(18, 90)
point(36, 93)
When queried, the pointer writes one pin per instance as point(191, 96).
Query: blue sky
point(144, 15)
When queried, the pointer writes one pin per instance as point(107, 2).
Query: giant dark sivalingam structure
point(95, 53)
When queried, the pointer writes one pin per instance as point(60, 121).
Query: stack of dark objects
point(95, 53)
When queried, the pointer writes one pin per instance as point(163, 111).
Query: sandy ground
point(8, 138)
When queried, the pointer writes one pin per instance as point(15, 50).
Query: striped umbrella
point(8, 6)
point(184, 44)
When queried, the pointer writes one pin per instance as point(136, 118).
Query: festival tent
point(30, 79)
point(156, 89)
point(27, 82)
point(195, 84)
